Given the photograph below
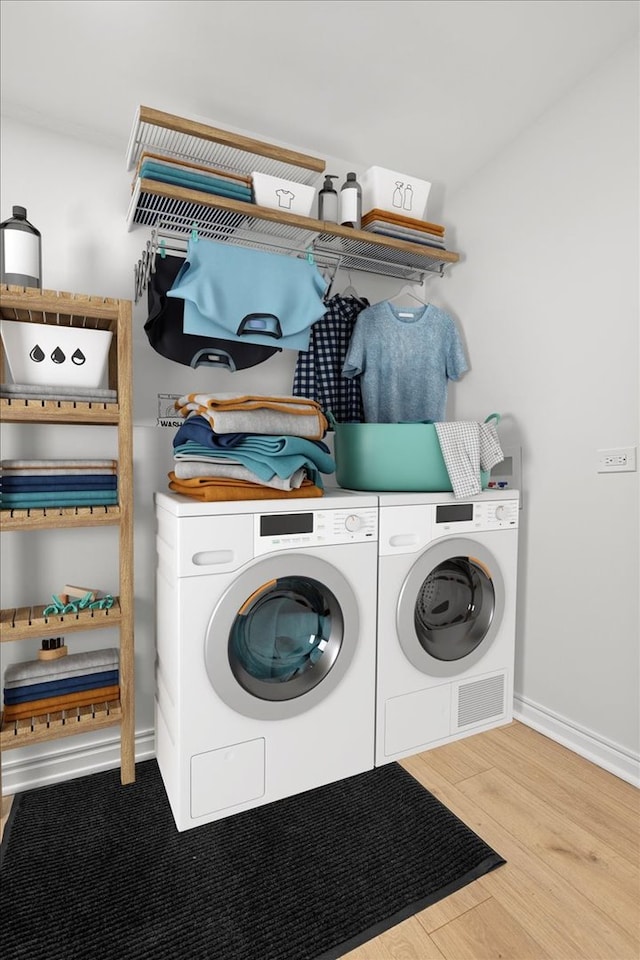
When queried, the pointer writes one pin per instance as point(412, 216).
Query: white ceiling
point(432, 87)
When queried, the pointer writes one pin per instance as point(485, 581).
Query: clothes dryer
point(446, 618)
point(266, 646)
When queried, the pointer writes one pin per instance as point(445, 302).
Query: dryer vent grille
point(481, 700)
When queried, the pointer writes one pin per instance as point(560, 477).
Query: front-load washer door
point(450, 607)
point(282, 636)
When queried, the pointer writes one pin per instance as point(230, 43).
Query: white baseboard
point(604, 753)
point(68, 761)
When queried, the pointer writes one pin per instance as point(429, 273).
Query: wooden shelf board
point(50, 306)
point(190, 137)
point(23, 733)
point(36, 410)
point(49, 518)
point(24, 623)
point(330, 233)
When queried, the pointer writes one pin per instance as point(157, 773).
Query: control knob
point(501, 512)
point(353, 522)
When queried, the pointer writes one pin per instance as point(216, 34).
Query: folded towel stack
point(249, 447)
point(37, 687)
point(28, 484)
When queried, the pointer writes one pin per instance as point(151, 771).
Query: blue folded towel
point(56, 688)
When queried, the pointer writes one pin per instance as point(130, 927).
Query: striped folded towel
point(254, 413)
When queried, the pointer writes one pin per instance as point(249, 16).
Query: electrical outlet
point(618, 460)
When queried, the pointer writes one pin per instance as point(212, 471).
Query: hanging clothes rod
point(165, 240)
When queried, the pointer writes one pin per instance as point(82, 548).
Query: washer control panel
point(314, 528)
point(474, 516)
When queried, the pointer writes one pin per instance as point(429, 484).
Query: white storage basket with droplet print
point(394, 192)
point(49, 354)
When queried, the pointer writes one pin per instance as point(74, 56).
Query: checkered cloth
point(467, 448)
point(318, 373)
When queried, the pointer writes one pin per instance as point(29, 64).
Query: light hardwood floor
point(570, 833)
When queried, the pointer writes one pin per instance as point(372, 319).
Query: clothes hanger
point(407, 290)
point(350, 291)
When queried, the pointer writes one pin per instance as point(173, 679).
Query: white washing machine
point(447, 583)
point(266, 648)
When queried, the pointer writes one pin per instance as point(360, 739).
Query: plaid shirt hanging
point(318, 372)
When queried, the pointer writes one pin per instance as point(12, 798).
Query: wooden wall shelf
point(178, 209)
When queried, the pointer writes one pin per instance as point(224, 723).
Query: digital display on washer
point(277, 525)
point(454, 512)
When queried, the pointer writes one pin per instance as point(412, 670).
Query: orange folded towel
point(37, 708)
point(230, 488)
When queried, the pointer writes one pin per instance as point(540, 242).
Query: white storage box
point(283, 194)
point(47, 354)
point(394, 192)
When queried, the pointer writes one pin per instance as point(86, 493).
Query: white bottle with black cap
point(20, 251)
point(351, 202)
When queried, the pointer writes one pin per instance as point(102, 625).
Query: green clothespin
point(310, 257)
point(163, 251)
point(194, 232)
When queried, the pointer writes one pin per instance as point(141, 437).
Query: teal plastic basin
point(391, 456)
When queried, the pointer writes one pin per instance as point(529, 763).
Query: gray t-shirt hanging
point(404, 357)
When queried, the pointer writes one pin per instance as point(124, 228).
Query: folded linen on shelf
point(241, 490)
point(255, 413)
point(33, 671)
point(58, 466)
point(193, 180)
point(467, 448)
point(37, 708)
point(206, 469)
point(240, 179)
point(76, 498)
point(30, 483)
point(25, 391)
point(59, 686)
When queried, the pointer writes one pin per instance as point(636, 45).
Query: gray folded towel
point(73, 664)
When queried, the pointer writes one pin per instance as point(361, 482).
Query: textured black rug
point(94, 869)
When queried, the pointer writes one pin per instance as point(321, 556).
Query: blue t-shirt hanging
point(404, 357)
point(245, 294)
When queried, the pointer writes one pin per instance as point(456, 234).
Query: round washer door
point(450, 607)
point(281, 637)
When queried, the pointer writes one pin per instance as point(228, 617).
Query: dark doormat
point(92, 869)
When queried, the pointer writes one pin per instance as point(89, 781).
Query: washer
point(266, 647)
point(446, 618)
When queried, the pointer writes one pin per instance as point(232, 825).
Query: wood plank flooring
point(570, 833)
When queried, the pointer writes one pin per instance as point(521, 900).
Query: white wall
point(548, 296)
